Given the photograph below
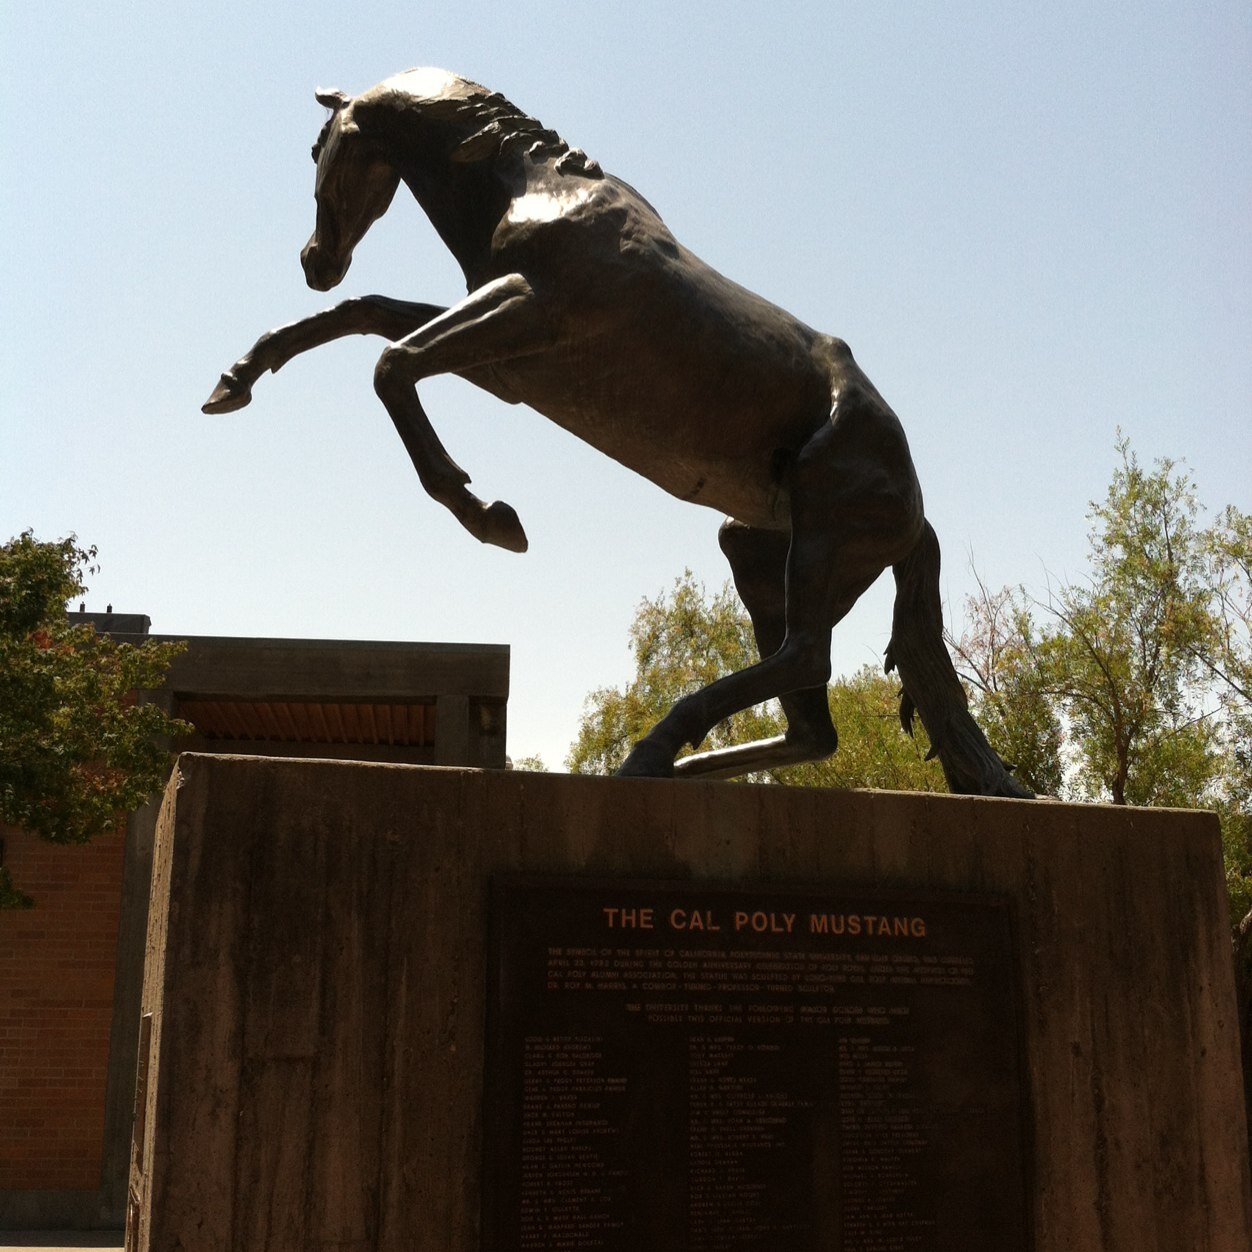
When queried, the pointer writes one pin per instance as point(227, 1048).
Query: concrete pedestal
point(312, 1062)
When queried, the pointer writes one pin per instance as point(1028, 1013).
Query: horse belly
point(707, 393)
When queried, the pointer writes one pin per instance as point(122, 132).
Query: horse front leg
point(363, 315)
point(498, 322)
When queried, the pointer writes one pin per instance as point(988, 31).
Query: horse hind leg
point(852, 515)
point(758, 563)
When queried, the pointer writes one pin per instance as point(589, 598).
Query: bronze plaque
point(695, 1068)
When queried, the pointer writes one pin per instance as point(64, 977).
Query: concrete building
point(71, 969)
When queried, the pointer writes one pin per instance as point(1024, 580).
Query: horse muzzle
point(322, 271)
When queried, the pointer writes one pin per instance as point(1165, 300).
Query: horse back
point(657, 359)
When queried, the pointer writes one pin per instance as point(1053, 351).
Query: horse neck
point(464, 203)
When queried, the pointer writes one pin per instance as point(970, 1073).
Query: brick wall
point(56, 1008)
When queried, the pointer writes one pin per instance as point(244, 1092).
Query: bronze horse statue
point(582, 305)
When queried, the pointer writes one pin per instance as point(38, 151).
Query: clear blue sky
point(1032, 223)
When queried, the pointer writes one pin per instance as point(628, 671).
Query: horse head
point(355, 184)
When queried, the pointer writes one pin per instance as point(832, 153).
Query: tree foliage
point(1124, 657)
point(78, 750)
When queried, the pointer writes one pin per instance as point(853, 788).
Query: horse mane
point(320, 142)
point(497, 127)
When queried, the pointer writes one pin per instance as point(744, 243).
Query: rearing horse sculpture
point(584, 306)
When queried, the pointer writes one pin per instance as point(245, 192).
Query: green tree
point(78, 750)
point(686, 639)
point(1124, 658)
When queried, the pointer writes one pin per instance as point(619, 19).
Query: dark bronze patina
point(582, 305)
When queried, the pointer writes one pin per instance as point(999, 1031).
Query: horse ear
point(332, 97)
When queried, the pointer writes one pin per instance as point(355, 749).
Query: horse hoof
point(646, 761)
point(229, 394)
point(501, 526)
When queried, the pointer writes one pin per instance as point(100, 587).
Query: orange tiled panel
point(311, 721)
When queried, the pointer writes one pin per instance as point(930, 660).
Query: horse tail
point(931, 687)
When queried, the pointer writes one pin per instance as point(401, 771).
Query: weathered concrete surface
point(316, 975)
